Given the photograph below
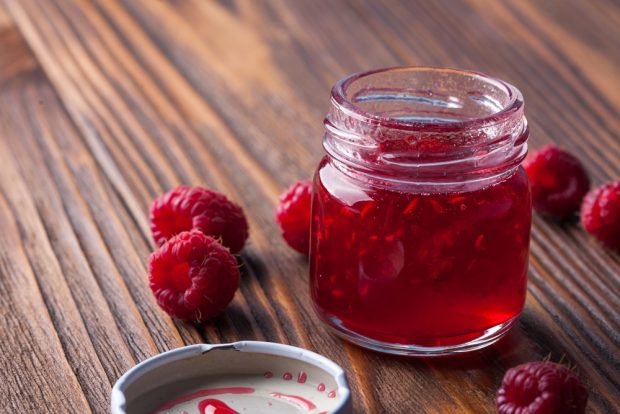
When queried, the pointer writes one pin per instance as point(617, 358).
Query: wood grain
point(105, 104)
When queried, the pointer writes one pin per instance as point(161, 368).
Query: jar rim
point(512, 106)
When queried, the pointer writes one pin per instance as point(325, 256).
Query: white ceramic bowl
point(248, 377)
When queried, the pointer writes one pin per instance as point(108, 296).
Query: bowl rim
point(119, 400)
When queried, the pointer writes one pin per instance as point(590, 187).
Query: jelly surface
point(427, 269)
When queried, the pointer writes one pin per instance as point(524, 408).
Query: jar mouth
point(426, 124)
point(418, 98)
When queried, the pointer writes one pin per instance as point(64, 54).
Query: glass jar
point(421, 214)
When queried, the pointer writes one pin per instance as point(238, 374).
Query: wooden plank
point(36, 371)
point(14, 54)
point(159, 96)
point(5, 19)
point(51, 360)
point(79, 328)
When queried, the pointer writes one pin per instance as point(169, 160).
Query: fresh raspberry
point(558, 181)
point(293, 215)
point(186, 208)
point(600, 214)
point(192, 276)
point(541, 388)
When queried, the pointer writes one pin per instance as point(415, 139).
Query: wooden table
point(104, 105)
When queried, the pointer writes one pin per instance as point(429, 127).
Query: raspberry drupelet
point(185, 208)
point(293, 215)
point(541, 388)
point(192, 276)
point(558, 181)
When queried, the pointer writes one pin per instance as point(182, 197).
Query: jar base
point(486, 338)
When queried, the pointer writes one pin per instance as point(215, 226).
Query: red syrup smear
point(302, 377)
point(287, 376)
point(268, 374)
point(213, 406)
point(320, 387)
point(298, 401)
point(204, 393)
point(414, 268)
point(332, 394)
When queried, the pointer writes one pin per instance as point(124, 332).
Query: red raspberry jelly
point(421, 213)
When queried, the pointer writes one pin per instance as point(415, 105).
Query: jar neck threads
point(426, 125)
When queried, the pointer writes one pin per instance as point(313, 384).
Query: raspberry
point(192, 276)
point(186, 208)
point(293, 215)
point(600, 214)
point(558, 181)
point(541, 388)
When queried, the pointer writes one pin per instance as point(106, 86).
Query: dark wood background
point(105, 104)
